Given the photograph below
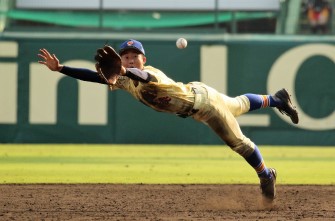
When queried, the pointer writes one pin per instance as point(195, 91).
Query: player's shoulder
point(158, 74)
point(152, 69)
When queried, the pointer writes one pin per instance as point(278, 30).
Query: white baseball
point(181, 43)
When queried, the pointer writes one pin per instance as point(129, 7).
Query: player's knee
point(243, 147)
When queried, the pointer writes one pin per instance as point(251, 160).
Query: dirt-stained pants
point(219, 112)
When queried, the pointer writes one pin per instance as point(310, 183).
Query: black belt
point(192, 111)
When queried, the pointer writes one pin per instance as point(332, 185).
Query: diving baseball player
point(126, 70)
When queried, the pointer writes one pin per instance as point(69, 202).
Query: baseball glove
point(108, 64)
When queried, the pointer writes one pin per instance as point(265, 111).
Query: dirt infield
point(163, 202)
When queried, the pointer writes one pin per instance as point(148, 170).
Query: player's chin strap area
point(199, 92)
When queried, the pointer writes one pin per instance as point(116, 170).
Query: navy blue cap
point(131, 44)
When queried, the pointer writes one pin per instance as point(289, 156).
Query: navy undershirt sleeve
point(82, 74)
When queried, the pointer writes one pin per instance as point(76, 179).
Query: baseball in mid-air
point(181, 43)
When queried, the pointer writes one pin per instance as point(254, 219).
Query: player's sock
point(257, 162)
point(258, 101)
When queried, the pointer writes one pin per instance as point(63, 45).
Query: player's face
point(133, 59)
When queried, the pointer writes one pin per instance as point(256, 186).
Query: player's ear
point(144, 59)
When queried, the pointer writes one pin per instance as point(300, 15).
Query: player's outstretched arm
point(51, 61)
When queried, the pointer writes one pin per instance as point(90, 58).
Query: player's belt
point(198, 92)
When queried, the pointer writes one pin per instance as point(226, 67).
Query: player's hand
point(51, 61)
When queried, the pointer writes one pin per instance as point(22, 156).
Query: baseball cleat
point(286, 106)
point(268, 187)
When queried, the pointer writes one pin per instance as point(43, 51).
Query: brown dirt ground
point(163, 202)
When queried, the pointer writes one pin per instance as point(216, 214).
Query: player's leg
point(250, 102)
point(226, 127)
point(258, 101)
point(216, 114)
point(281, 100)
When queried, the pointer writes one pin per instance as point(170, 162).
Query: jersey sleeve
point(140, 75)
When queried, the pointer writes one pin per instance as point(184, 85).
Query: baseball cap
point(131, 44)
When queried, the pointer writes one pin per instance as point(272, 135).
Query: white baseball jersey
point(194, 99)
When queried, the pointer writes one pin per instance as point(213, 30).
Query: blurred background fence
point(225, 16)
point(236, 46)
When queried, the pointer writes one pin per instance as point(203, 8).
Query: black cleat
point(268, 187)
point(286, 106)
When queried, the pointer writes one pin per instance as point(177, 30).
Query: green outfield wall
point(40, 106)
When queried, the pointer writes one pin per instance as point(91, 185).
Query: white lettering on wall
point(283, 74)
point(92, 103)
point(8, 83)
point(214, 73)
point(8, 93)
point(93, 98)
